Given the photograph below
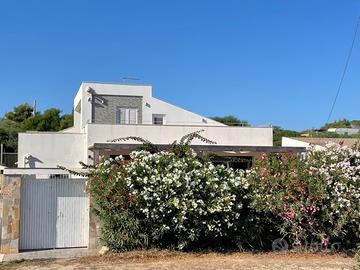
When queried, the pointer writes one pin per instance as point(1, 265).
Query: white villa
point(105, 111)
point(43, 207)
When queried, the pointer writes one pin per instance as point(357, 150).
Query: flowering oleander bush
point(316, 198)
point(173, 202)
point(179, 199)
point(174, 199)
point(337, 167)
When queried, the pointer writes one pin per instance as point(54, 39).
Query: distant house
point(344, 131)
point(316, 142)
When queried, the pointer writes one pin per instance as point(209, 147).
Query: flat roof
point(323, 141)
point(118, 83)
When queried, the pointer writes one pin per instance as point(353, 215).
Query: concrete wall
point(289, 142)
point(174, 115)
point(223, 135)
point(49, 149)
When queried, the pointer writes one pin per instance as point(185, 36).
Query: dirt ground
point(161, 260)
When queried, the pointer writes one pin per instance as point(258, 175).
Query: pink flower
point(290, 214)
point(325, 240)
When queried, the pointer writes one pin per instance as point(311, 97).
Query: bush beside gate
point(178, 199)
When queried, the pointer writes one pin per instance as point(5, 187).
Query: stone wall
point(93, 229)
point(105, 107)
point(9, 213)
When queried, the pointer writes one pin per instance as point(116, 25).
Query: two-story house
point(46, 208)
point(106, 111)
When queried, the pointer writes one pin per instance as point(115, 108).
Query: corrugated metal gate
point(54, 213)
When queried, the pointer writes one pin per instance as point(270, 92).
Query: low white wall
point(223, 135)
point(174, 115)
point(289, 142)
point(49, 149)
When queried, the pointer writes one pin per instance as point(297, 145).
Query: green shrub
point(178, 199)
point(174, 199)
point(169, 201)
point(311, 199)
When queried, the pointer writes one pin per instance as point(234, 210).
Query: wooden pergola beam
point(202, 148)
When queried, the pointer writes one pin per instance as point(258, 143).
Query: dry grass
point(164, 259)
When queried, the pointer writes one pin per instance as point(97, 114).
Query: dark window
point(158, 119)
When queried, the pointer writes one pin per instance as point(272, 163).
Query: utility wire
point(345, 69)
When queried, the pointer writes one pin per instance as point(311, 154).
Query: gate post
point(9, 213)
point(93, 228)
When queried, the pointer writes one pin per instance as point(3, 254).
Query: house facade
point(106, 111)
point(43, 207)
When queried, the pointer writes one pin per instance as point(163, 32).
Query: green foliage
point(325, 134)
point(178, 200)
point(231, 120)
point(280, 132)
point(355, 122)
point(183, 148)
point(20, 113)
point(66, 121)
point(22, 119)
point(311, 199)
point(50, 120)
point(284, 194)
point(342, 123)
point(166, 199)
point(8, 134)
point(162, 200)
point(145, 144)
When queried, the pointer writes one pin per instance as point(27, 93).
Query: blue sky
point(268, 62)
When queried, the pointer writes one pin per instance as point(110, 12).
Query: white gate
point(54, 213)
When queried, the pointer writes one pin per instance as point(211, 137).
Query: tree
point(8, 134)
point(22, 119)
point(66, 121)
point(20, 113)
point(279, 132)
point(50, 120)
point(231, 120)
point(342, 123)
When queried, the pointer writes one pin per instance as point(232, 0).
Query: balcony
point(166, 134)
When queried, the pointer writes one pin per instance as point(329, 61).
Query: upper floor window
point(158, 119)
point(127, 116)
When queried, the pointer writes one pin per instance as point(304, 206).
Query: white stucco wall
point(68, 147)
point(223, 135)
point(174, 115)
point(49, 149)
point(290, 142)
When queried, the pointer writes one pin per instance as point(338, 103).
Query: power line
point(345, 69)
